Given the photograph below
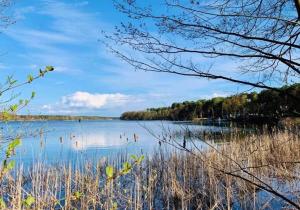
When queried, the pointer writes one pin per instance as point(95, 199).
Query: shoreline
point(24, 118)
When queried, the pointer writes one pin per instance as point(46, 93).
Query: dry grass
point(241, 174)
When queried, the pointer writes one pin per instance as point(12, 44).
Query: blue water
point(65, 141)
point(73, 142)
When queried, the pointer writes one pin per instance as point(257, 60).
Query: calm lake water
point(65, 141)
point(73, 142)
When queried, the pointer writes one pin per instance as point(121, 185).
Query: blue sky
point(88, 80)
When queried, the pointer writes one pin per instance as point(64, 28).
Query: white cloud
point(79, 102)
point(65, 69)
point(94, 101)
point(214, 95)
point(105, 104)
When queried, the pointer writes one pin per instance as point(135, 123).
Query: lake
point(72, 141)
point(63, 143)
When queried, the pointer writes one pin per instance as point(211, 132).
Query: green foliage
point(32, 95)
point(11, 80)
point(7, 114)
point(30, 78)
point(109, 172)
point(12, 146)
point(7, 164)
point(49, 68)
point(10, 165)
point(77, 195)
point(134, 157)
point(138, 160)
point(2, 204)
point(29, 201)
point(267, 103)
point(14, 107)
point(114, 206)
point(126, 168)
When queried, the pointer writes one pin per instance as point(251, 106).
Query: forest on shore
point(268, 104)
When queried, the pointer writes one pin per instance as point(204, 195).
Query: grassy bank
point(260, 171)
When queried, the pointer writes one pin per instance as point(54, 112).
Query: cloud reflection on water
point(97, 140)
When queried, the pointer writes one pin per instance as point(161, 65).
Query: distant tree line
point(266, 104)
point(53, 117)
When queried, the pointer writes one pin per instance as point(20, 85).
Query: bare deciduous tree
point(186, 37)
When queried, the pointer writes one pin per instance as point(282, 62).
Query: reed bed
point(257, 172)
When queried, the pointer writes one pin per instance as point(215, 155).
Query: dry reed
point(239, 174)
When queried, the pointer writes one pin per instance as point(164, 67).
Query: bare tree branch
point(297, 4)
point(261, 35)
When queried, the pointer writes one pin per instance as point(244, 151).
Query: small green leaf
point(14, 107)
point(28, 201)
point(11, 147)
point(114, 206)
point(30, 78)
point(77, 195)
point(134, 157)
point(16, 142)
point(126, 168)
point(49, 68)
point(6, 115)
point(109, 172)
point(12, 82)
point(140, 159)
point(8, 166)
point(11, 165)
point(2, 204)
point(32, 94)
point(42, 73)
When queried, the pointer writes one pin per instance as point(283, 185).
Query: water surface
point(64, 141)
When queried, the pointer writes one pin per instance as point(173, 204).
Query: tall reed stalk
point(171, 179)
